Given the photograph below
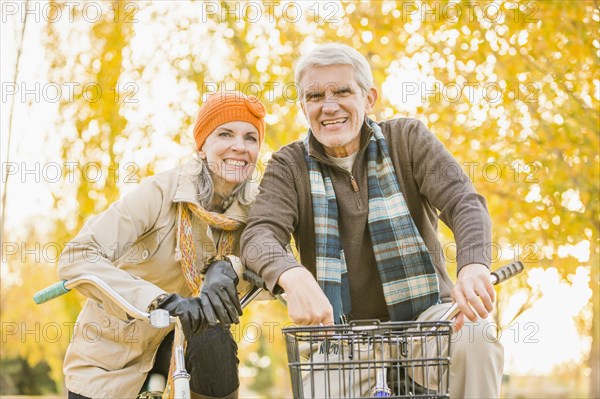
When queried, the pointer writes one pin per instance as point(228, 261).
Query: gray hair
point(205, 189)
point(337, 54)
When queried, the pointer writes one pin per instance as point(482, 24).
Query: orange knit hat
point(226, 107)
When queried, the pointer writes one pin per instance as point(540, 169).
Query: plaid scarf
point(410, 284)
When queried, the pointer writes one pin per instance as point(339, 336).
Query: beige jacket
point(131, 246)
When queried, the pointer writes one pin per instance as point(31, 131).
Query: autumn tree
point(511, 88)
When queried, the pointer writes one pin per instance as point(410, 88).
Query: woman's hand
point(189, 311)
point(219, 296)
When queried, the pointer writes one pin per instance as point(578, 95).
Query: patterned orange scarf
point(192, 273)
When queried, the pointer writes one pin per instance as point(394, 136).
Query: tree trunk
point(594, 359)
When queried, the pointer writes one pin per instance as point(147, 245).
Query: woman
point(164, 245)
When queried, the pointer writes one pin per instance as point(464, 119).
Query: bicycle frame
point(160, 318)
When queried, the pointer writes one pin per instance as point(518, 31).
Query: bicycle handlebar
point(254, 278)
point(258, 282)
point(258, 285)
point(506, 272)
point(496, 277)
point(63, 287)
point(158, 318)
point(53, 291)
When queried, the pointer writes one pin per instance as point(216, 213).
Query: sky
point(542, 338)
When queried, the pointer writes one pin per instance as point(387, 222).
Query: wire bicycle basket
point(369, 359)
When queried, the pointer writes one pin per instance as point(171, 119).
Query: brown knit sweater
point(430, 179)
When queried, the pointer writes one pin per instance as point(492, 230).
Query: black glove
point(219, 298)
point(189, 311)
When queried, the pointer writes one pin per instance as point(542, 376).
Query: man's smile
point(334, 121)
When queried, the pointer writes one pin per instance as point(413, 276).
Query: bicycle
point(375, 359)
point(158, 318)
point(328, 357)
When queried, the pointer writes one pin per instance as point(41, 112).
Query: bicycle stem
point(180, 372)
point(381, 389)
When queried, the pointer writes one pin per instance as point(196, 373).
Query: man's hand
point(473, 288)
point(219, 295)
point(307, 304)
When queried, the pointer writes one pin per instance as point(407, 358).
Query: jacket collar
point(186, 183)
point(186, 191)
point(316, 150)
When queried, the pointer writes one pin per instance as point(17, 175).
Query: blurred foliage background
point(511, 88)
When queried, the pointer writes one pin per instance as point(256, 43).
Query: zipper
point(354, 184)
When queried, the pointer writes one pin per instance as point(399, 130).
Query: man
point(361, 200)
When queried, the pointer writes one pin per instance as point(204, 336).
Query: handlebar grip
point(254, 278)
point(257, 281)
point(508, 271)
point(53, 291)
